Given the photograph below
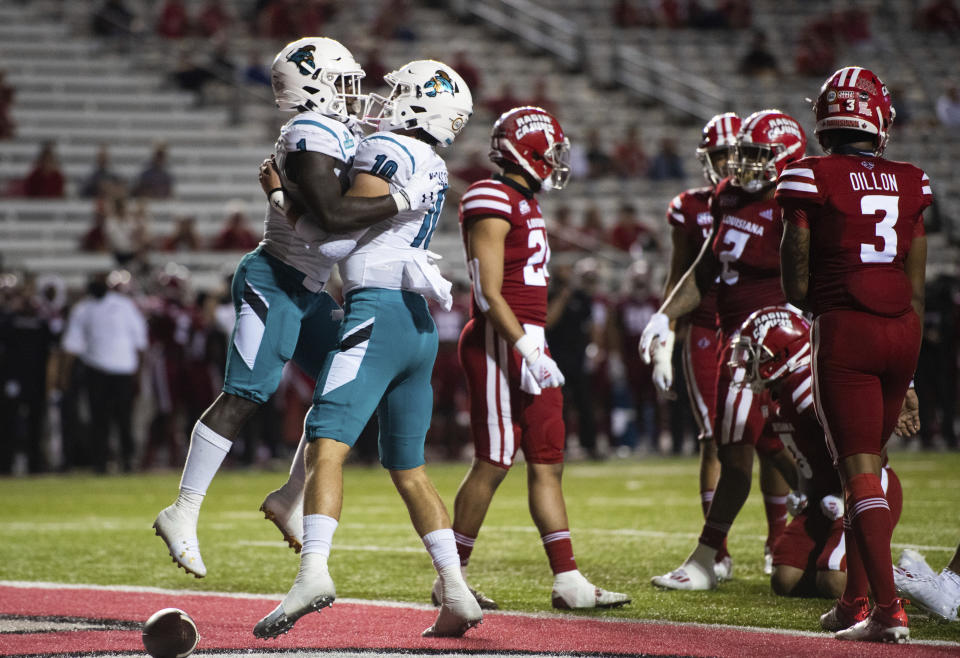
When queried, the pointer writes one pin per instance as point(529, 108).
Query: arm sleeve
point(675, 215)
point(385, 156)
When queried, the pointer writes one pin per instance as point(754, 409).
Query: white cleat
point(767, 560)
point(928, 592)
point(690, 575)
point(914, 563)
point(723, 569)
point(572, 591)
point(286, 516)
point(485, 602)
point(878, 627)
point(312, 591)
point(459, 611)
point(179, 532)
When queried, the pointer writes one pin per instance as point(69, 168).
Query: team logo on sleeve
point(303, 57)
point(440, 83)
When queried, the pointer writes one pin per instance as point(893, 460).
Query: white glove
point(796, 502)
point(658, 328)
point(544, 369)
point(832, 507)
point(420, 192)
point(663, 363)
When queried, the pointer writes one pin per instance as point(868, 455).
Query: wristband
point(278, 199)
point(402, 200)
point(911, 385)
point(528, 348)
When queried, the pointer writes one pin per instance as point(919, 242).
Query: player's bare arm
point(320, 191)
point(486, 238)
point(795, 263)
point(915, 267)
point(688, 291)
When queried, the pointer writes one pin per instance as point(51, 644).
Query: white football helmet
point(425, 94)
point(317, 74)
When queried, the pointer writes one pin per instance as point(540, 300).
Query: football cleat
point(572, 591)
point(928, 592)
point(767, 560)
point(485, 602)
point(180, 535)
point(880, 626)
point(842, 616)
point(312, 591)
point(288, 518)
point(690, 575)
point(459, 612)
point(723, 569)
point(914, 563)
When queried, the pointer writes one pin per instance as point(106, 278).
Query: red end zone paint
point(226, 622)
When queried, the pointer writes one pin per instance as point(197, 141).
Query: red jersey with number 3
point(526, 251)
point(689, 212)
point(747, 246)
point(863, 213)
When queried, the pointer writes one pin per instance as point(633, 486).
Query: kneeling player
point(809, 558)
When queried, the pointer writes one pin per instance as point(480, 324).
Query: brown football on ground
point(170, 633)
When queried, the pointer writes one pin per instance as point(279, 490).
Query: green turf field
point(630, 520)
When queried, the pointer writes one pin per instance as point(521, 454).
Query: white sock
point(572, 577)
point(207, 452)
point(318, 532)
point(293, 487)
point(442, 548)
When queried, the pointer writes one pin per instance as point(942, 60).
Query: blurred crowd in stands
point(111, 378)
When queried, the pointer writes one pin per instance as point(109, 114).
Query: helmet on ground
point(773, 342)
point(425, 94)
point(317, 74)
point(532, 138)
point(717, 145)
point(767, 142)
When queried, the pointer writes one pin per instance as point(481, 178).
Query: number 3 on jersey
point(535, 271)
point(871, 205)
point(738, 242)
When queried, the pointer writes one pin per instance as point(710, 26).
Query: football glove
point(658, 328)
point(796, 502)
point(543, 368)
point(420, 192)
point(663, 363)
point(832, 507)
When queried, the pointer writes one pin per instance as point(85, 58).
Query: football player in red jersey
point(854, 254)
point(515, 400)
point(690, 225)
point(809, 558)
point(743, 251)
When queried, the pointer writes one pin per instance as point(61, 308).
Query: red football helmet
point(767, 142)
point(771, 343)
point(717, 145)
point(854, 98)
point(532, 138)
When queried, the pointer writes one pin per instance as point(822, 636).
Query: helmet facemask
point(754, 165)
point(558, 157)
point(716, 162)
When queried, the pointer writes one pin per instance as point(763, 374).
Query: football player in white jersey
point(387, 346)
point(282, 311)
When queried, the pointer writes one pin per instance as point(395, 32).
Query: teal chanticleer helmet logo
point(303, 57)
point(440, 83)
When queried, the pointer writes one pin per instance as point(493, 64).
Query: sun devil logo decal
point(303, 57)
point(440, 83)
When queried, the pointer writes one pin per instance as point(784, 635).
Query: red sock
point(857, 586)
point(706, 497)
point(559, 551)
point(464, 547)
point(872, 527)
point(714, 534)
point(776, 509)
